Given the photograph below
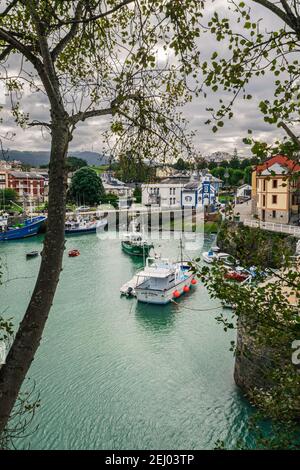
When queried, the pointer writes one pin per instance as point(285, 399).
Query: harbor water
point(116, 374)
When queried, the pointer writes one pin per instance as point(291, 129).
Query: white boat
point(211, 256)
point(161, 281)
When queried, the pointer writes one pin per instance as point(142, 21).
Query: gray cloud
point(89, 135)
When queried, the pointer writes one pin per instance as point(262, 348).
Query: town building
point(275, 194)
point(166, 193)
point(182, 191)
point(3, 178)
point(114, 186)
point(28, 185)
point(243, 193)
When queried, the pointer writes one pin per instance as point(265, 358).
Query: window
point(264, 185)
point(174, 200)
point(275, 184)
point(264, 200)
point(274, 214)
point(170, 190)
point(274, 199)
point(171, 201)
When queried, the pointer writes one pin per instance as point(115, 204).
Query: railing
point(282, 228)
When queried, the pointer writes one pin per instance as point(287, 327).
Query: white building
point(166, 193)
point(184, 191)
point(244, 192)
point(114, 186)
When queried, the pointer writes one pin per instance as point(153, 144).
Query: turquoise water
point(114, 374)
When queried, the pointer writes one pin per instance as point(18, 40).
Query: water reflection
point(156, 318)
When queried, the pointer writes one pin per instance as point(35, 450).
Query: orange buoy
point(186, 289)
point(176, 294)
point(194, 282)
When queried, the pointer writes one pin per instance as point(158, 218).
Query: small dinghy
point(32, 254)
point(73, 253)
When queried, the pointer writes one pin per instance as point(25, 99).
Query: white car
point(83, 209)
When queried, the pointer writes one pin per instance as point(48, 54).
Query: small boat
point(28, 228)
point(134, 244)
point(161, 281)
point(80, 226)
point(73, 253)
point(211, 256)
point(236, 275)
point(32, 254)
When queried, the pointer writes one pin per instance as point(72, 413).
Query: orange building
point(276, 190)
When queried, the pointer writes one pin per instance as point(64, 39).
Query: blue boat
point(28, 228)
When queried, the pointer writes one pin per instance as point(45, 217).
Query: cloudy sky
point(88, 135)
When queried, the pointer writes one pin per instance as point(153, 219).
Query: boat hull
point(84, 230)
point(28, 230)
point(80, 231)
point(158, 297)
point(135, 250)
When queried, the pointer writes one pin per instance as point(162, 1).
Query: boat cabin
point(161, 274)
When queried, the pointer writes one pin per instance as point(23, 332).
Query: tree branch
point(82, 116)
point(72, 33)
point(5, 53)
point(100, 15)
point(25, 50)
point(8, 8)
point(39, 123)
point(275, 9)
point(290, 133)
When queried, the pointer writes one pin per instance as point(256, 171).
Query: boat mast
point(181, 250)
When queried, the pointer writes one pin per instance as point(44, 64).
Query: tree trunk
point(30, 331)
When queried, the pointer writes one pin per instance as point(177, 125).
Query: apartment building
point(276, 190)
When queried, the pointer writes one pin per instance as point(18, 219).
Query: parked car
point(83, 209)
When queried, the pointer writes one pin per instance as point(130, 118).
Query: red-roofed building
point(28, 185)
point(275, 194)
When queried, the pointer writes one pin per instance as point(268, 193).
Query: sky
point(88, 135)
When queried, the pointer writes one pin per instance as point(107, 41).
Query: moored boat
point(211, 256)
point(28, 228)
point(162, 281)
point(73, 253)
point(32, 254)
point(135, 245)
point(80, 226)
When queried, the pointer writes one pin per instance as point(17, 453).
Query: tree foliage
point(253, 52)
point(75, 163)
point(86, 187)
point(7, 196)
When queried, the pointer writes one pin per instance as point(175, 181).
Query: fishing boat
point(134, 244)
point(28, 228)
point(79, 226)
point(162, 281)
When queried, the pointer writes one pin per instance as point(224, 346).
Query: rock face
point(252, 363)
point(255, 245)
